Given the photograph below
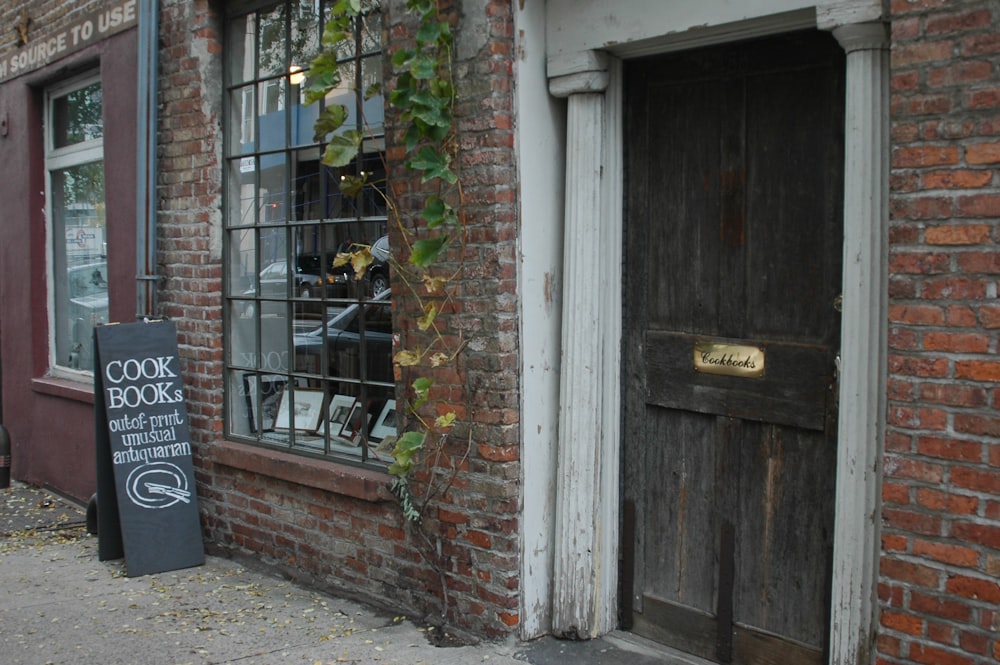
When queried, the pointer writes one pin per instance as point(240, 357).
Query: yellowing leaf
point(445, 421)
point(430, 313)
point(439, 359)
point(434, 284)
point(407, 358)
point(360, 260)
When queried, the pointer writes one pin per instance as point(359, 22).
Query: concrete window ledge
point(364, 484)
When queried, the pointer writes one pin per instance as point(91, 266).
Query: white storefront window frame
point(77, 154)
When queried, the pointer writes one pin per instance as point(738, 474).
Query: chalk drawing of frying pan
point(157, 485)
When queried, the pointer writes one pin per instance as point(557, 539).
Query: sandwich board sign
point(147, 504)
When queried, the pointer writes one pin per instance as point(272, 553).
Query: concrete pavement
point(60, 605)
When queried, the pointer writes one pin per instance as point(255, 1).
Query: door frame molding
point(585, 598)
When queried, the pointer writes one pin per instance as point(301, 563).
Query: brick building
point(728, 374)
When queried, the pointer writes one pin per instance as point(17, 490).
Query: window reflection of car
point(341, 337)
point(308, 281)
point(87, 288)
point(378, 271)
point(308, 276)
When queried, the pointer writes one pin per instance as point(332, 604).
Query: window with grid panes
point(308, 346)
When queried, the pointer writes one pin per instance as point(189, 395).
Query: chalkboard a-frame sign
point(147, 504)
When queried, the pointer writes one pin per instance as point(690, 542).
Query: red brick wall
point(318, 521)
point(477, 519)
point(940, 563)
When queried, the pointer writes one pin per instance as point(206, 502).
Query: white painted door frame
point(585, 567)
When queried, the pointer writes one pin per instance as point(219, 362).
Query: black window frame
point(313, 356)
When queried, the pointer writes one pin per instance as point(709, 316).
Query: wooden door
point(734, 162)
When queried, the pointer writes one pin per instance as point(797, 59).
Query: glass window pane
point(306, 194)
point(301, 116)
point(343, 95)
point(241, 187)
point(274, 345)
point(304, 335)
point(242, 263)
point(371, 33)
point(272, 189)
point(242, 120)
point(76, 117)
point(272, 42)
point(241, 53)
point(271, 114)
point(79, 262)
point(372, 201)
point(242, 341)
point(373, 110)
point(305, 32)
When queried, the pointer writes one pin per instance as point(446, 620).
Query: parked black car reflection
point(342, 339)
point(378, 271)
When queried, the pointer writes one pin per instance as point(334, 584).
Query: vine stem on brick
point(425, 97)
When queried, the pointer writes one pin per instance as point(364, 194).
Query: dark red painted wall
point(51, 421)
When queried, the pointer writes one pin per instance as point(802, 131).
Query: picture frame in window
point(385, 424)
point(340, 409)
point(352, 426)
point(271, 388)
point(302, 407)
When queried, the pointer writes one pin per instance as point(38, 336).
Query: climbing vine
point(424, 96)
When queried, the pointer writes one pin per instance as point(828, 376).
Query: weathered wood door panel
point(733, 234)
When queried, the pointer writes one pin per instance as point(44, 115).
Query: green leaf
point(434, 164)
point(430, 32)
point(445, 421)
point(434, 211)
point(324, 76)
point(351, 185)
point(406, 447)
point(423, 67)
point(335, 34)
point(402, 57)
point(330, 120)
point(421, 387)
point(411, 137)
point(410, 442)
point(426, 8)
point(437, 212)
point(430, 116)
point(442, 88)
point(342, 148)
point(437, 133)
point(372, 91)
point(426, 251)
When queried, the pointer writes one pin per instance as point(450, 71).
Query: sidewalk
point(60, 605)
